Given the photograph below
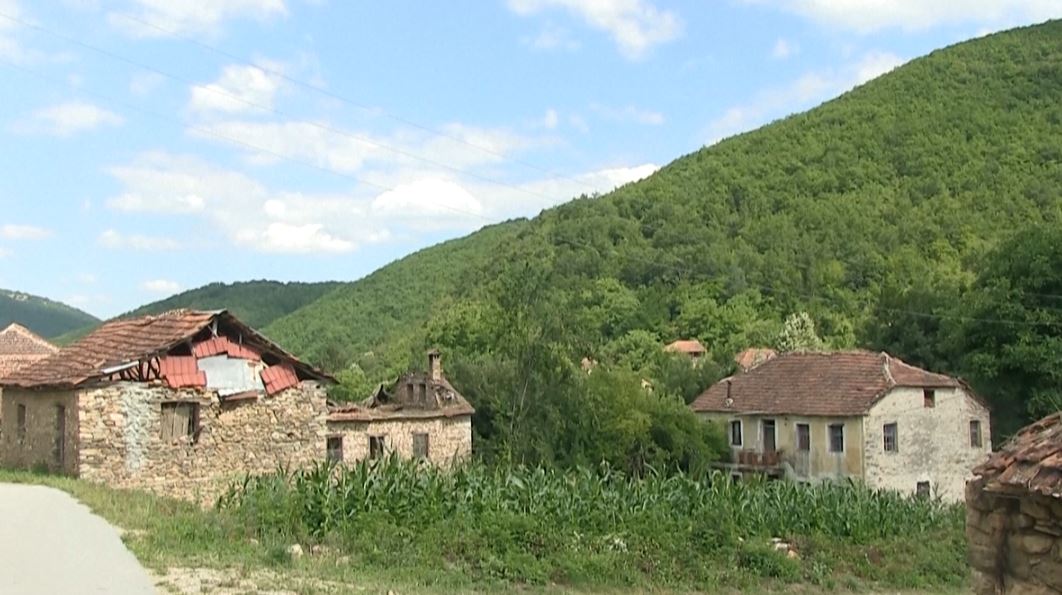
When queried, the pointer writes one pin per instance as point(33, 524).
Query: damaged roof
point(122, 342)
point(400, 401)
point(1031, 461)
point(20, 346)
point(840, 384)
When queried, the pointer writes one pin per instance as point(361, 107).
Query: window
point(180, 421)
point(735, 432)
point(975, 433)
point(888, 431)
point(922, 489)
point(929, 397)
point(334, 448)
point(836, 437)
point(769, 442)
point(420, 446)
point(422, 394)
point(803, 437)
point(376, 446)
point(60, 435)
point(20, 423)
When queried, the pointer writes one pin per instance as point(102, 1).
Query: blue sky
point(151, 146)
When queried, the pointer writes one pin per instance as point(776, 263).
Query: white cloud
point(629, 113)
point(550, 120)
point(4, 253)
point(161, 286)
point(866, 16)
point(635, 25)
point(428, 199)
point(185, 17)
point(11, 231)
point(294, 239)
point(67, 119)
point(784, 49)
point(552, 38)
point(141, 243)
point(809, 89)
point(240, 88)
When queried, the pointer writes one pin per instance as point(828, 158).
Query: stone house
point(418, 416)
point(1014, 514)
point(181, 404)
point(20, 346)
point(691, 348)
point(857, 414)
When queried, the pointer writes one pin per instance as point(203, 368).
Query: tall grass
point(538, 524)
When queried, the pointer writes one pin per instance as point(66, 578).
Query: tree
point(798, 334)
point(1011, 335)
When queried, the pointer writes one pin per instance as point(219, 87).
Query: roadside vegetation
point(397, 524)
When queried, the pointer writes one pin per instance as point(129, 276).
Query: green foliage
point(41, 315)
point(601, 527)
point(798, 334)
point(870, 213)
point(1010, 333)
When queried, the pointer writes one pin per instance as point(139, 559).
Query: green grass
point(394, 526)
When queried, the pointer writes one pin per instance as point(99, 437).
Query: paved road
point(50, 544)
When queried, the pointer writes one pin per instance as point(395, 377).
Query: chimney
point(729, 401)
point(435, 365)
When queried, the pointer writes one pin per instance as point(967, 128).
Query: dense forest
point(41, 315)
point(874, 217)
point(257, 303)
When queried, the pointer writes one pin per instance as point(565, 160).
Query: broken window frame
point(803, 435)
point(377, 446)
point(836, 435)
point(923, 489)
point(191, 431)
point(421, 445)
point(929, 398)
point(334, 449)
point(976, 437)
point(890, 437)
point(735, 432)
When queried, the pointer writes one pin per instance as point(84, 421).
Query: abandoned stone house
point(180, 403)
point(857, 414)
point(418, 416)
point(691, 348)
point(20, 346)
point(1014, 514)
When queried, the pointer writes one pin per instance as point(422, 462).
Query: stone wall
point(933, 442)
point(1014, 544)
point(121, 442)
point(39, 446)
point(449, 438)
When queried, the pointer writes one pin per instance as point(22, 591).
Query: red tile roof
point(120, 342)
point(278, 378)
point(688, 346)
point(20, 347)
point(806, 383)
point(754, 356)
point(1031, 461)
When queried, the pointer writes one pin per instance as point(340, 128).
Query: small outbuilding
point(181, 403)
point(1014, 514)
point(420, 415)
point(691, 348)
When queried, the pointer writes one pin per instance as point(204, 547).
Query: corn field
point(527, 523)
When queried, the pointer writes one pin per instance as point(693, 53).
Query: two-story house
point(858, 414)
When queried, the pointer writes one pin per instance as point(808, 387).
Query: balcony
point(768, 462)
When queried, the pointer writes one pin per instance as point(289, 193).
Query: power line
point(332, 95)
point(231, 96)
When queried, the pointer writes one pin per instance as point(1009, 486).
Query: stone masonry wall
point(1014, 544)
point(121, 443)
point(933, 442)
point(449, 439)
point(39, 445)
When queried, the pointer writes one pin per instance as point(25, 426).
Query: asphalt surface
point(52, 544)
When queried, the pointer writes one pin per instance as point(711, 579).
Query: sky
point(153, 146)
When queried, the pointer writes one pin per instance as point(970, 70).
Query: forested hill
point(256, 303)
point(43, 316)
point(911, 176)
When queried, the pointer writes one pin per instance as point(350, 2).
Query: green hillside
point(255, 302)
point(41, 315)
point(867, 218)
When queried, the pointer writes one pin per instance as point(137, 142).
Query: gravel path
point(50, 543)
